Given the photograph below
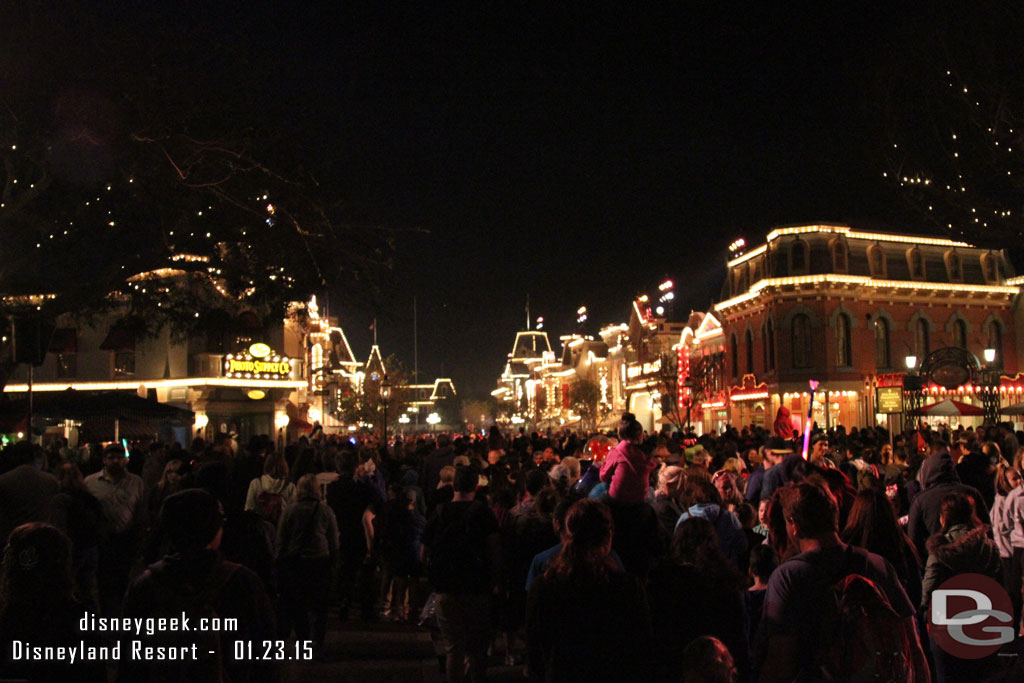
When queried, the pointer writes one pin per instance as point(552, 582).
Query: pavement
point(382, 651)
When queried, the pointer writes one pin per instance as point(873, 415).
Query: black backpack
point(457, 551)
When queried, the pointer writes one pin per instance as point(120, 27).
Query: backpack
point(863, 638)
point(456, 552)
point(269, 506)
point(197, 603)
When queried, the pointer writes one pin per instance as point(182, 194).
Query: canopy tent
point(948, 408)
point(1013, 410)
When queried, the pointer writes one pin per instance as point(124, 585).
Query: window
point(749, 339)
point(876, 261)
point(843, 354)
point(954, 266)
point(64, 346)
point(995, 341)
point(840, 255)
point(990, 268)
point(959, 334)
point(124, 363)
point(921, 341)
point(798, 257)
point(67, 365)
point(915, 263)
point(735, 355)
point(882, 343)
point(801, 338)
point(769, 345)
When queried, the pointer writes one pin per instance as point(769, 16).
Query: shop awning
point(119, 338)
point(948, 408)
point(109, 405)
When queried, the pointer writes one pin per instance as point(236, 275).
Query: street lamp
point(385, 394)
point(433, 419)
point(990, 398)
point(912, 389)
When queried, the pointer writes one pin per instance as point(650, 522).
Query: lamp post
point(912, 389)
point(433, 419)
point(990, 398)
point(688, 385)
point(385, 394)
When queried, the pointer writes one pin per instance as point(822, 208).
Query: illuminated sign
point(890, 400)
point(248, 366)
point(634, 371)
point(259, 351)
point(256, 394)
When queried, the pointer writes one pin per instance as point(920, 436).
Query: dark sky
point(577, 155)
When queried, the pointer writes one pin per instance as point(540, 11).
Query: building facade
point(846, 308)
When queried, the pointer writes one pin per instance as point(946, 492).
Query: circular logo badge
point(971, 616)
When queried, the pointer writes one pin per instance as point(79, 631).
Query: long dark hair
point(588, 529)
point(696, 542)
point(872, 525)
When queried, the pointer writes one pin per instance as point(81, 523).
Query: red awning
point(119, 339)
point(64, 340)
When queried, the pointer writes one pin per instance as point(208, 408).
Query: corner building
point(845, 307)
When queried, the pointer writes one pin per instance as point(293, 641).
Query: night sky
point(578, 155)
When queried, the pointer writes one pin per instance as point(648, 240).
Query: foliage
point(584, 396)
point(955, 114)
point(105, 186)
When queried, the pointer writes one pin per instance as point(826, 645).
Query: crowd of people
point(627, 556)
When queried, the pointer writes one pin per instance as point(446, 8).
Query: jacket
point(939, 478)
point(961, 550)
point(727, 525)
point(627, 471)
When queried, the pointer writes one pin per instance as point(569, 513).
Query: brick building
point(846, 307)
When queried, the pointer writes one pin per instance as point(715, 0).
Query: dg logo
point(971, 616)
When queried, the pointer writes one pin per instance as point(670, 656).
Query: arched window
point(876, 261)
point(990, 268)
point(954, 266)
point(915, 262)
point(749, 340)
point(768, 334)
point(801, 341)
point(921, 341)
point(995, 340)
point(959, 334)
point(798, 257)
point(843, 350)
point(735, 353)
point(881, 343)
point(840, 255)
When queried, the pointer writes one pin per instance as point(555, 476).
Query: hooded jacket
point(731, 538)
point(939, 479)
point(627, 471)
point(961, 550)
